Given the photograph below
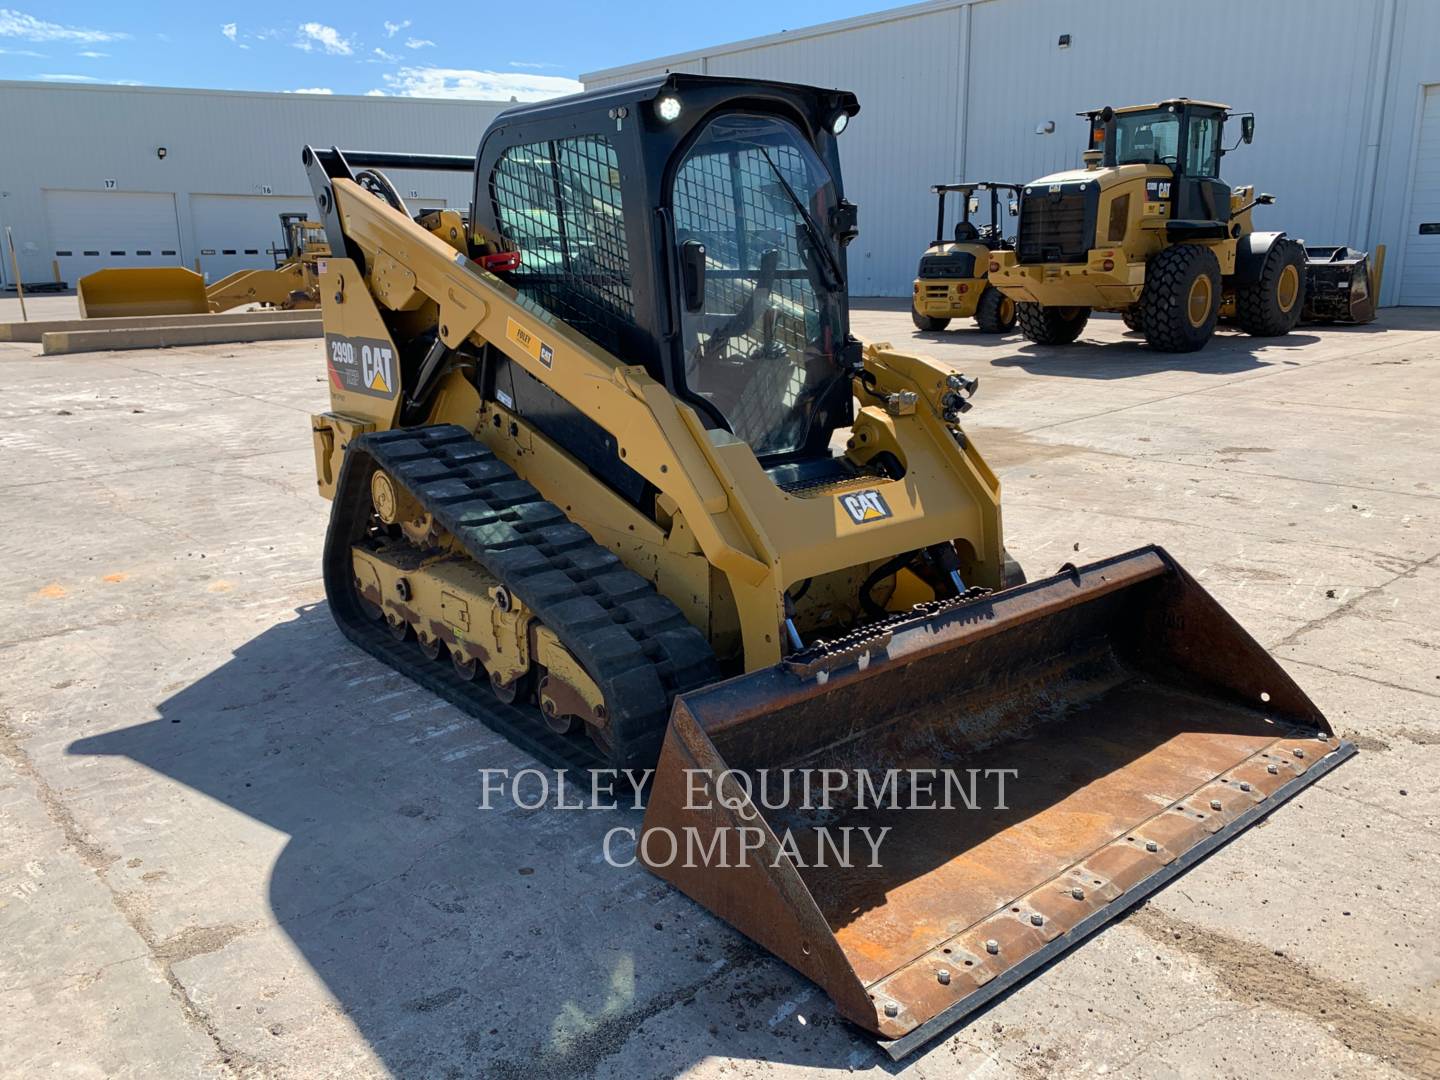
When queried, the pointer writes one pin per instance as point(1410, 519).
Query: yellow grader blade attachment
point(1138, 727)
point(145, 290)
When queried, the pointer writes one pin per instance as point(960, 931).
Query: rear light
point(1108, 264)
point(964, 288)
point(994, 267)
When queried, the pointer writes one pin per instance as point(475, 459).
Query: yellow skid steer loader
point(609, 471)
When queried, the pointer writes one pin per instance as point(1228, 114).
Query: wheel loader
point(951, 280)
point(1148, 229)
point(608, 470)
point(175, 290)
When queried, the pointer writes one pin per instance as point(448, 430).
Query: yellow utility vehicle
point(1147, 228)
point(609, 471)
point(951, 281)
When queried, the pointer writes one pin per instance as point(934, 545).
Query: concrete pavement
point(231, 845)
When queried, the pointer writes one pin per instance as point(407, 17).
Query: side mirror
point(1014, 207)
point(974, 206)
point(1247, 129)
point(692, 274)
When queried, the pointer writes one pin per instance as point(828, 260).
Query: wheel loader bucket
point(144, 290)
point(1136, 728)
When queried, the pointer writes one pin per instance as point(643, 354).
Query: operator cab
point(1184, 136)
point(694, 226)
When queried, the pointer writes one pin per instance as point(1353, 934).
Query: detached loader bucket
point(145, 290)
point(1143, 726)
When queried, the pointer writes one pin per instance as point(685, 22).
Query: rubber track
point(633, 642)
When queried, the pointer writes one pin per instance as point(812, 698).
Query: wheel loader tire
point(1181, 299)
point(925, 322)
point(1271, 307)
point(1051, 325)
point(1131, 318)
point(995, 313)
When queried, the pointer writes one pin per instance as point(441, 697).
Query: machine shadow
point(1228, 353)
point(459, 940)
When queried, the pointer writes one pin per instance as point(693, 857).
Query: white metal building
point(1346, 96)
point(94, 176)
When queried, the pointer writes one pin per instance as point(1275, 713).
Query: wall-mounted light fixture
point(1045, 128)
point(1064, 42)
point(160, 152)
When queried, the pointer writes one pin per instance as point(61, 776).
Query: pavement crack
point(99, 861)
point(1255, 974)
point(1341, 610)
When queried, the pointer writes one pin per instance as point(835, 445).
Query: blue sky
point(527, 49)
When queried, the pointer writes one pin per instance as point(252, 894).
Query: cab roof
point(1160, 105)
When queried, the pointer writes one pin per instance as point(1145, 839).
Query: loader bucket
point(144, 290)
point(1144, 727)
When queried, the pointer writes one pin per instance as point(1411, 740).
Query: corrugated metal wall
point(958, 89)
point(75, 138)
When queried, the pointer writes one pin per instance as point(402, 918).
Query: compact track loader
point(610, 472)
point(1147, 228)
point(951, 280)
point(174, 290)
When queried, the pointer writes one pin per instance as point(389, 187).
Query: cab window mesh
point(559, 203)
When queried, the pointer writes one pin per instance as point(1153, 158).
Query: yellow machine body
point(173, 290)
point(741, 617)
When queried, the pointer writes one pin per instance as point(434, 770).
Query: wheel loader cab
point(1186, 138)
point(694, 226)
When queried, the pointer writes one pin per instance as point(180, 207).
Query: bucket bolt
point(943, 977)
point(892, 1010)
point(1037, 919)
point(1214, 804)
point(1077, 893)
point(992, 947)
point(1152, 846)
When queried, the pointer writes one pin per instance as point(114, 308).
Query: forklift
point(951, 282)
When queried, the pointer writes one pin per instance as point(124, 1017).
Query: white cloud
point(393, 28)
point(20, 25)
point(311, 90)
point(419, 43)
point(385, 56)
point(326, 37)
point(22, 52)
point(528, 64)
point(230, 30)
point(68, 78)
point(376, 93)
point(91, 54)
point(437, 82)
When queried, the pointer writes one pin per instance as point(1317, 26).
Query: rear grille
point(960, 264)
point(1054, 227)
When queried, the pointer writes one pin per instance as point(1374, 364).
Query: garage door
point(240, 232)
point(90, 230)
point(1420, 281)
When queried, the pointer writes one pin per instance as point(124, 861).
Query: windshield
point(1147, 138)
point(761, 349)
